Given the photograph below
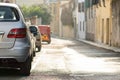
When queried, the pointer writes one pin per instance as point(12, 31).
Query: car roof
point(9, 5)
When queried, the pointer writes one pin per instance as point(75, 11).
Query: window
point(82, 6)
point(102, 30)
point(104, 3)
point(79, 7)
point(8, 14)
point(107, 30)
point(80, 26)
point(83, 26)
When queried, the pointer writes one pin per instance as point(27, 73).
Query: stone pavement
point(116, 49)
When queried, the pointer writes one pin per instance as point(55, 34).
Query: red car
point(45, 33)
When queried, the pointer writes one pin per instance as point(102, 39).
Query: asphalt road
point(70, 60)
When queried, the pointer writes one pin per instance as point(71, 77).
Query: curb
point(115, 49)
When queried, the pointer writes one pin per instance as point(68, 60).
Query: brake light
point(17, 33)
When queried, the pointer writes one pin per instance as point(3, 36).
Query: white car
point(16, 43)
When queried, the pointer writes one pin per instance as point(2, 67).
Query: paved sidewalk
point(101, 45)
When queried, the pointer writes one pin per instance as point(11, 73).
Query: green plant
point(40, 10)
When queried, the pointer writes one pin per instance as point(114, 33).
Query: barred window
point(82, 6)
point(79, 7)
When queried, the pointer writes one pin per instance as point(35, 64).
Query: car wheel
point(39, 48)
point(49, 42)
point(26, 67)
point(34, 54)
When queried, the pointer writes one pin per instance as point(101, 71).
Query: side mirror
point(33, 30)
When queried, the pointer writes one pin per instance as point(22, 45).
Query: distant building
point(8, 1)
point(90, 15)
point(29, 2)
point(53, 1)
point(50, 1)
point(61, 24)
point(115, 30)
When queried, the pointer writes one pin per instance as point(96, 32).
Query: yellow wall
point(103, 23)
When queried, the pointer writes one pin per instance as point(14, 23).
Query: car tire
point(34, 54)
point(39, 48)
point(49, 42)
point(26, 67)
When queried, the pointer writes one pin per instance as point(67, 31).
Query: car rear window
point(8, 14)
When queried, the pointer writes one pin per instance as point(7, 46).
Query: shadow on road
point(9, 72)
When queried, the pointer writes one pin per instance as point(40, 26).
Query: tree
point(41, 11)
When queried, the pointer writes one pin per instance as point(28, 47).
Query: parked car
point(34, 29)
point(16, 43)
point(45, 32)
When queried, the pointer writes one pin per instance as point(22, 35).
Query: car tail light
point(17, 33)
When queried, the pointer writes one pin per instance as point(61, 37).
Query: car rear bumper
point(15, 54)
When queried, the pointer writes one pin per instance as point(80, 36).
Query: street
point(70, 60)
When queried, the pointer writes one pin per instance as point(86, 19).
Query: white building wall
point(81, 26)
point(81, 23)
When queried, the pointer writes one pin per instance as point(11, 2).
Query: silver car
point(16, 44)
point(34, 29)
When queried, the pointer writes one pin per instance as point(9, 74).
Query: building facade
point(55, 8)
point(99, 21)
point(8, 1)
point(103, 22)
point(29, 2)
point(62, 22)
point(81, 20)
point(90, 13)
point(66, 19)
point(116, 23)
